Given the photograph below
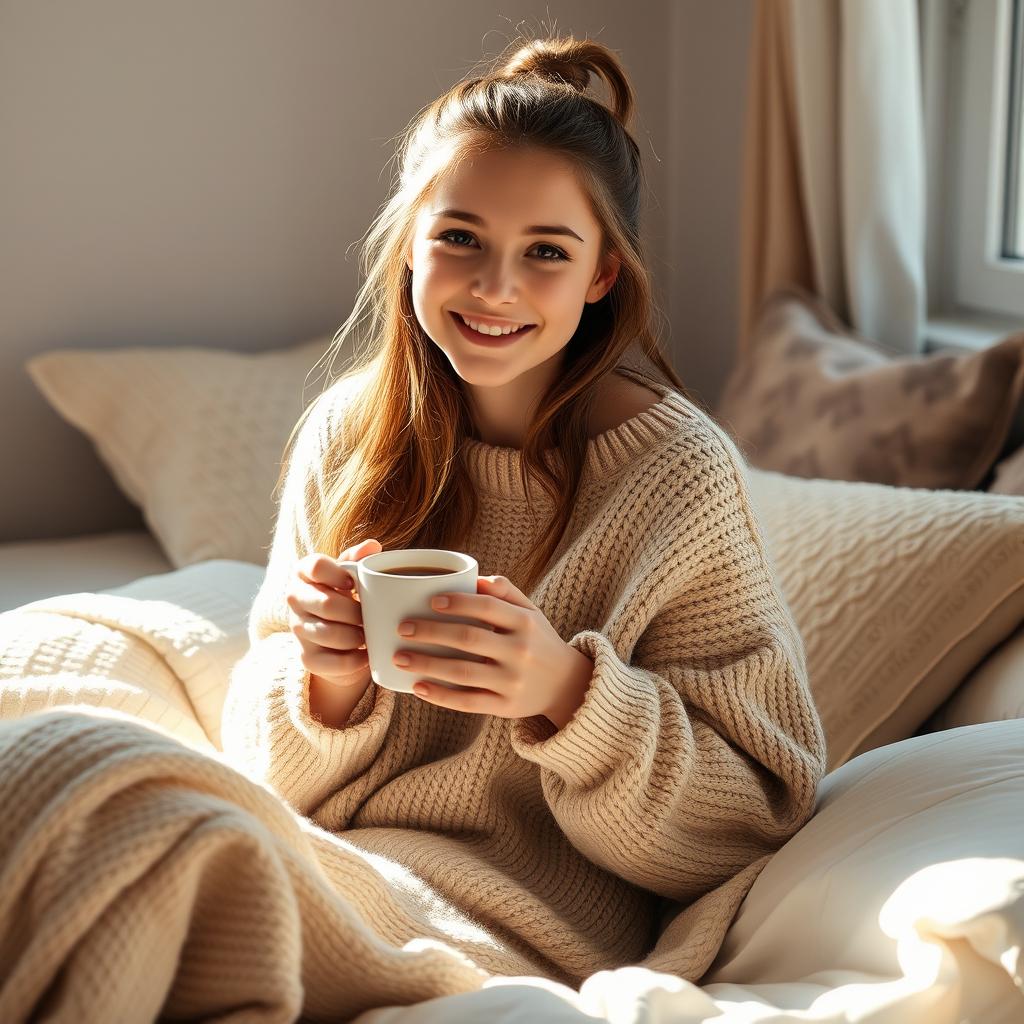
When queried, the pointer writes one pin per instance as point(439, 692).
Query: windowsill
point(965, 330)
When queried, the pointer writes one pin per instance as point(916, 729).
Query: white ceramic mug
point(387, 599)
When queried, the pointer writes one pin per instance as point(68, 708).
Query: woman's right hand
point(327, 619)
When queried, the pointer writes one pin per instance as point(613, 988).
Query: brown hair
point(395, 472)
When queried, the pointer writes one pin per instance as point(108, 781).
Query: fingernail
point(347, 584)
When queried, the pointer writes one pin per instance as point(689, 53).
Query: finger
point(324, 602)
point(460, 671)
point(338, 636)
point(332, 664)
point(317, 567)
point(358, 553)
point(360, 550)
point(473, 701)
point(502, 587)
point(493, 610)
point(461, 636)
point(320, 568)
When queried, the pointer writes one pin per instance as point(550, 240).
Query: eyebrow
point(534, 229)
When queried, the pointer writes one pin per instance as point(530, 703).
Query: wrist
point(332, 704)
point(571, 693)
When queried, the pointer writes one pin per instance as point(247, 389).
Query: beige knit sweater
point(694, 756)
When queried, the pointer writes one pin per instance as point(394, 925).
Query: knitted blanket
point(143, 877)
point(140, 874)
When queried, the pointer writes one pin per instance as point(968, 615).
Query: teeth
point(492, 331)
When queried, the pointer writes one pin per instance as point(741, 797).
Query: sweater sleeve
point(267, 729)
point(701, 753)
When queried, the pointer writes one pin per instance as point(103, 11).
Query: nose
point(495, 283)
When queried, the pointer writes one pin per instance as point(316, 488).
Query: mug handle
point(352, 568)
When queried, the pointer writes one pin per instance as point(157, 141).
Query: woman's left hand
point(530, 669)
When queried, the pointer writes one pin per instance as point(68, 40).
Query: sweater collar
point(496, 470)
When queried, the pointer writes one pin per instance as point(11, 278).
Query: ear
point(605, 279)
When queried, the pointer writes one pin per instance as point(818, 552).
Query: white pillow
point(910, 871)
point(900, 902)
point(194, 436)
point(906, 886)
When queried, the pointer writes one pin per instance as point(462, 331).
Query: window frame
point(973, 290)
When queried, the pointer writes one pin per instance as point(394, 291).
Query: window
point(1013, 241)
point(973, 62)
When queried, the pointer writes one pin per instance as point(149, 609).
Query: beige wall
point(201, 173)
point(707, 81)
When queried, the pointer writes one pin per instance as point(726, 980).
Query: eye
point(558, 253)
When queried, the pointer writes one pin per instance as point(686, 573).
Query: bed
point(901, 900)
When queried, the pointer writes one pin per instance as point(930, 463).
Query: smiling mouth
point(488, 339)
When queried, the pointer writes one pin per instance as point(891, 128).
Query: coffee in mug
point(418, 570)
point(397, 585)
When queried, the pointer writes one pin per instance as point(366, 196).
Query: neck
point(503, 413)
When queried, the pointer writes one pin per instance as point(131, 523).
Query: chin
point(482, 368)
point(483, 376)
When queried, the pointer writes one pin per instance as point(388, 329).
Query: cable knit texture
point(694, 756)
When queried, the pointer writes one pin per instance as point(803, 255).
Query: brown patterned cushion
point(810, 398)
point(1009, 478)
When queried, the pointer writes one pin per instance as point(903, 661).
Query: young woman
point(641, 737)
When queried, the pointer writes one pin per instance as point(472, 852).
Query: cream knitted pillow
point(898, 592)
point(194, 436)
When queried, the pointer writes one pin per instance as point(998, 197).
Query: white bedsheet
point(34, 569)
point(901, 901)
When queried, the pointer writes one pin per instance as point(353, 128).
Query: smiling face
point(530, 256)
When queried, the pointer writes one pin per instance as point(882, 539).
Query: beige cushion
point(993, 692)
point(812, 399)
point(898, 593)
point(1009, 474)
point(194, 436)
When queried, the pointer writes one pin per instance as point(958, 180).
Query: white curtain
point(838, 82)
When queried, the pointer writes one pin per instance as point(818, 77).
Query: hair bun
point(572, 61)
point(559, 60)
